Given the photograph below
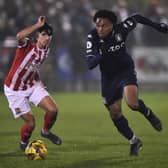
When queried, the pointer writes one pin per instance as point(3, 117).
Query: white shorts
point(19, 101)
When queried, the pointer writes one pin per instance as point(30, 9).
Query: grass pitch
point(89, 138)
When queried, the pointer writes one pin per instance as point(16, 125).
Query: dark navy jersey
point(110, 53)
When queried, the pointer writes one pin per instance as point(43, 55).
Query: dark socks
point(143, 109)
point(123, 127)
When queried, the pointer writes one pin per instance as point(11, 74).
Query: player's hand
point(163, 28)
point(41, 20)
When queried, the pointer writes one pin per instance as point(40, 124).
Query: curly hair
point(105, 14)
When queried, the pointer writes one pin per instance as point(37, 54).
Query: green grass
point(89, 138)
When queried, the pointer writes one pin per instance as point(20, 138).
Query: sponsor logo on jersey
point(116, 47)
point(17, 110)
point(89, 45)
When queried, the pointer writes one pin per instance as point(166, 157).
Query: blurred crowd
point(72, 20)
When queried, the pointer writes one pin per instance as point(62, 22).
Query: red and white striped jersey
point(25, 68)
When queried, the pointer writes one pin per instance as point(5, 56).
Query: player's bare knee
point(115, 113)
point(115, 109)
point(31, 123)
point(133, 106)
point(29, 120)
point(52, 110)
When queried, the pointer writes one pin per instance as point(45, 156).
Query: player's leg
point(51, 112)
point(131, 97)
point(26, 129)
point(123, 127)
point(112, 93)
point(40, 97)
point(119, 120)
point(20, 108)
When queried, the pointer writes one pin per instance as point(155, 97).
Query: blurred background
point(66, 70)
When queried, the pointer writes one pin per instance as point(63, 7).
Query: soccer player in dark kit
point(106, 47)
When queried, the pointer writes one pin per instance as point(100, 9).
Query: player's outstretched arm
point(162, 27)
point(28, 30)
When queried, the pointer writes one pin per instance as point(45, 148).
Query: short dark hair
point(105, 14)
point(47, 28)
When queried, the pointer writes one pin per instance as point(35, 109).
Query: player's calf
point(154, 121)
point(150, 116)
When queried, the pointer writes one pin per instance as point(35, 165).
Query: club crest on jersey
point(118, 37)
point(17, 110)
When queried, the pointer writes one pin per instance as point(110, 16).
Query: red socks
point(25, 132)
point(49, 120)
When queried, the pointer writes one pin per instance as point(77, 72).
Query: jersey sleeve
point(128, 25)
point(93, 56)
point(23, 43)
point(161, 27)
point(131, 22)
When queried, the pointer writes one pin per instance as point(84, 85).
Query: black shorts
point(112, 89)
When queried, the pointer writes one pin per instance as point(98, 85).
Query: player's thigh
point(48, 104)
point(41, 98)
point(131, 95)
point(111, 92)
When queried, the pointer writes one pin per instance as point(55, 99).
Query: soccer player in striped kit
point(23, 84)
